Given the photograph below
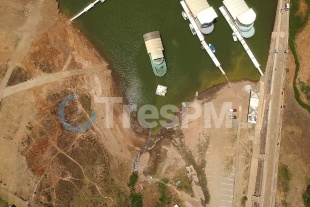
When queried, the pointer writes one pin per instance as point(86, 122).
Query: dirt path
point(48, 79)
point(29, 30)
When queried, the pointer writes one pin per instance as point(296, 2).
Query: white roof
point(197, 6)
point(253, 108)
point(238, 7)
point(155, 48)
point(247, 17)
point(206, 15)
point(161, 90)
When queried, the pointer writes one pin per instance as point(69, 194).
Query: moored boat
point(212, 48)
point(154, 47)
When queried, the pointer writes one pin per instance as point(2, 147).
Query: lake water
point(116, 28)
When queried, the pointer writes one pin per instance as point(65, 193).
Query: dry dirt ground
point(303, 51)
point(214, 152)
point(41, 163)
point(295, 140)
point(44, 164)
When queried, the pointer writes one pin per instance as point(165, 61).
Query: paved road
point(274, 119)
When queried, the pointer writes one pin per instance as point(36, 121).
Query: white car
point(287, 6)
point(232, 110)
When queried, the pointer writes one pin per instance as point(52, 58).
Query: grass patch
point(167, 198)
point(135, 198)
point(3, 203)
point(284, 177)
point(165, 180)
point(306, 197)
point(133, 180)
point(305, 89)
point(287, 70)
point(185, 184)
point(243, 200)
point(296, 24)
point(85, 101)
point(162, 190)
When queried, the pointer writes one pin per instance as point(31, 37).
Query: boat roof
point(238, 9)
point(197, 6)
point(154, 45)
point(206, 16)
point(247, 17)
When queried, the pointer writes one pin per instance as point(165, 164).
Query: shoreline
point(116, 77)
point(104, 57)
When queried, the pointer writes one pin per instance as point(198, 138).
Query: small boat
point(234, 36)
point(155, 48)
point(184, 15)
point(212, 48)
point(192, 29)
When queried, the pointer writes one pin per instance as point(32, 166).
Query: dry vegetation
point(293, 177)
point(41, 162)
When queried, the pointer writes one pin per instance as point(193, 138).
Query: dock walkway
point(201, 38)
point(86, 9)
point(240, 38)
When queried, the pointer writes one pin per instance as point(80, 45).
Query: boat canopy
point(236, 7)
point(247, 17)
point(206, 16)
point(197, 6)
point(154, 45)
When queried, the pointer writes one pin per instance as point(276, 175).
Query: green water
point(116, 28)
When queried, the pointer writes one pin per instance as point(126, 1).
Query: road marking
point(226, 195)
point(227, 201)
point(227, 184)
point(228, 179)
point(226, 189)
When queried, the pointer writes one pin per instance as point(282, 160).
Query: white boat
point(185, 17)
point(212, 48)
point(234, 36)
point(192, 29)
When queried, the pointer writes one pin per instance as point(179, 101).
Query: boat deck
point(154, 47)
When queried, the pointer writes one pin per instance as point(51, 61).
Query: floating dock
point(86, 9)
point(232, 25)
point(155, 48)
point(161, 90)
point(205, 46)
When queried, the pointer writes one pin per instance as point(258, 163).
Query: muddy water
point(116, 28)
